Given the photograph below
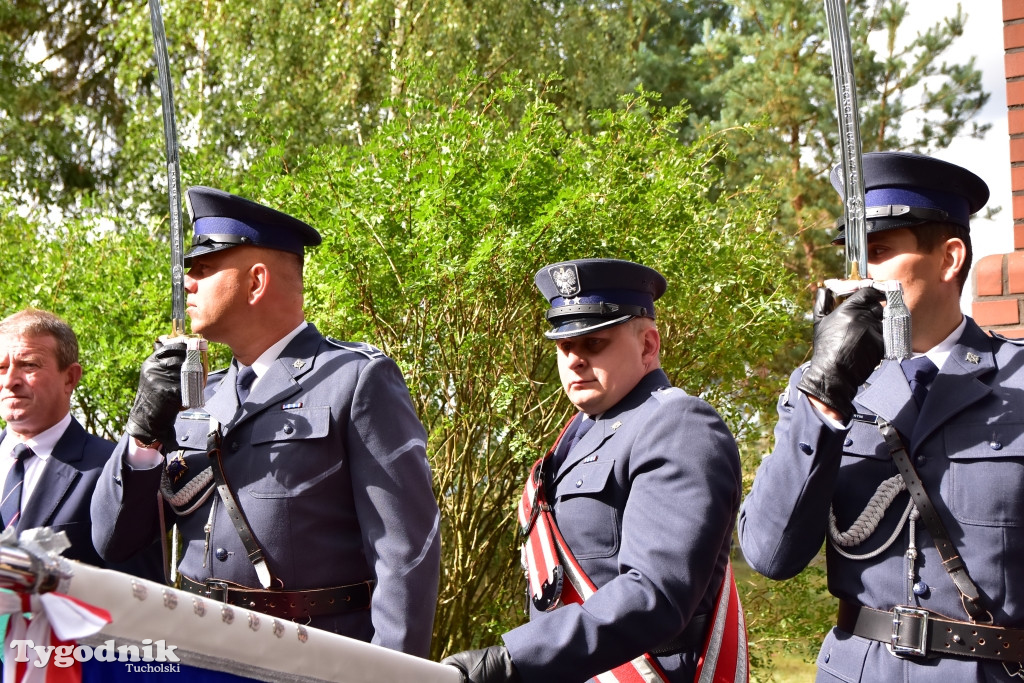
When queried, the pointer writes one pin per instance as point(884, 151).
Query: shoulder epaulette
point(1013, 340)
point(368, 350)
point(665, 393)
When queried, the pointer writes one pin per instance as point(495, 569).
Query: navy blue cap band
point(258, 234)
point(954, 205)
point(618, 296)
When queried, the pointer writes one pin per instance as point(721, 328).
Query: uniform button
point(221, 554)
point(185, 438)
point(805, 447)
point(995, 445)
point(288, 429)
point(920, 588)
point(920, 460)
point(848, 443)
point(579, 483)
point(827, 656)
point(235, 446)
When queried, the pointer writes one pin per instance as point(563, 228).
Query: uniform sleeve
point(398, 513)
point(784, 518)
point(124, 512)
point(684, 492)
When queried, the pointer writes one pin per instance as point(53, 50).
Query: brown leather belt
point(918, 632)
point(293, 605)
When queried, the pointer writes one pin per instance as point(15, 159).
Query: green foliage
point(433, 230)
point(111, 286)
point(440, 196)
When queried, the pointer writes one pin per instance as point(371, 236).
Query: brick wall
point(999, 278)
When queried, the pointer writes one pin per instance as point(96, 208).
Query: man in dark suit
point(47, 460)
point(302, 489)
point(643, 485)
point(929, 584)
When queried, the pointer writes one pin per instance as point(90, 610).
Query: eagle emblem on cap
point(566, 279)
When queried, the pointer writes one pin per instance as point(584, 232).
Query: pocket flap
point(984, 441)
point(586, 478)
point(294, 423)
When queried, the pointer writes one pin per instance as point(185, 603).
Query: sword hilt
point(194, 371)
point(896, 323)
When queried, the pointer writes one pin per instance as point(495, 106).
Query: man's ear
point(652, 345)
point(72, 376)
point(953, 258)
point(259, 281)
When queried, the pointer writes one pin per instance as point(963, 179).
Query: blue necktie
point(920, 372)
point(10, 505)
point(243, 382)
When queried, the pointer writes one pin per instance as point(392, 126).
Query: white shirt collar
point(42, 444)
point(267, 358)
point(940, 352)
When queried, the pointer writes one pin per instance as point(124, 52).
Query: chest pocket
point(864, 440)
point(288, 425)
point(585, 510)
point(986, 473)
point(191, 432)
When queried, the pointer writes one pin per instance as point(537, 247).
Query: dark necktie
point(920, 372)
point(10, 506)
point(582, 427)
point(243, 382)
point(573, 437)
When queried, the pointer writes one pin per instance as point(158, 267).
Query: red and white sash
point(555, 578)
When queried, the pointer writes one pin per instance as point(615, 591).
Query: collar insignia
point(973, 358)
point(299, 363)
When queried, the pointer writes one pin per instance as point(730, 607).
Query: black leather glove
point(489, 665)
point(848, 345)
point(158, 399)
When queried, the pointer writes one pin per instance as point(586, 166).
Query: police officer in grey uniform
point(646, 498)
point(302, 489)
point(929, 585)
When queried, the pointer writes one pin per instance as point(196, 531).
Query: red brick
point(1018, 207)
point(988, 276)
point(1014, 63)
point(1015, 121)
point(1017, 178)
point(1018, 236)
point(998, 312)
point(1014, 92)
point(1013, 35)
point(1013, 9)
point(1015, 272)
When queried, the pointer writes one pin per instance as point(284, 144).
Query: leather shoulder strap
point(951, 560)
point(252, 546)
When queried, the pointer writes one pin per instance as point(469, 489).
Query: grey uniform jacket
point(967, 444)
point(327, 461)
point(646, 501)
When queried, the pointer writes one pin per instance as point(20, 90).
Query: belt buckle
point(898, 612)
point(217, 590)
